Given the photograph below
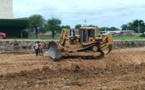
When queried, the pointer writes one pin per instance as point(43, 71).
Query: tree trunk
point(36, 32)
point(53, 34)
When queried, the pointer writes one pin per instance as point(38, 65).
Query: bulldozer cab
point(84, 35)
point(87, 34)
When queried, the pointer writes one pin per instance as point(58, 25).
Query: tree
point(45, 28)
point(103, 28)
point(113, 28)
point(65, 26)
point(124, 27)
point(136, 25)
point(36, 22)
point(91, 26)
point(78, 26)
point(108, 28)
point(54, 26)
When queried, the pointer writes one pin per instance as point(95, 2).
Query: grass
point(125, 37)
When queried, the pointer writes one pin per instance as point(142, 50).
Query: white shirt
point(36, 45)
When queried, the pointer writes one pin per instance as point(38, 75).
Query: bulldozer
point(84, 43)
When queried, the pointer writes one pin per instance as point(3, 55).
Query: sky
point(101, 13)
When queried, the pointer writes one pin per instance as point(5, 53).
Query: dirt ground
point(122, 69)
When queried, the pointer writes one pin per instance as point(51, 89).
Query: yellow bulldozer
point(84, 42)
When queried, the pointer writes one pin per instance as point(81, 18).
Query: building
point(6, 9)
point(112, 32)
point(119, 32)
point(128, 32)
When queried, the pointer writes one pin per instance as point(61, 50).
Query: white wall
point(6, 9)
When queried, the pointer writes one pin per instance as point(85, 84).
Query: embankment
point(26, 46)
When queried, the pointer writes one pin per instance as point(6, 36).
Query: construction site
point(122, 68)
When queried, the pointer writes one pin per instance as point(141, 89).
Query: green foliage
point(65, 26)
point(134, 25)
point(124, 27)
point(78, 26)
point(44, 29)
point(108, 28)
point(92, 26)
point(54, 25)
point(36, 22)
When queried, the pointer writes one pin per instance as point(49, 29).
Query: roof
point(88, 28)
point(127, 31)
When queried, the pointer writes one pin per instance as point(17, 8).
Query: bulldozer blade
point(53, 51)
point(108, 49)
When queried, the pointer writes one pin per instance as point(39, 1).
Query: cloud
point(71, 12)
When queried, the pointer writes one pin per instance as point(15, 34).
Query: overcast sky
point(71, 12)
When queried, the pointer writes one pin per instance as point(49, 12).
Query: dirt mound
point(72, 77)
point(121, 69)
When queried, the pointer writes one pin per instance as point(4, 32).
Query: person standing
point(41, 48)
point(36, 47)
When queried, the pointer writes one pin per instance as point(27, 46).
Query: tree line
point(38, 24)
point(137, 25)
